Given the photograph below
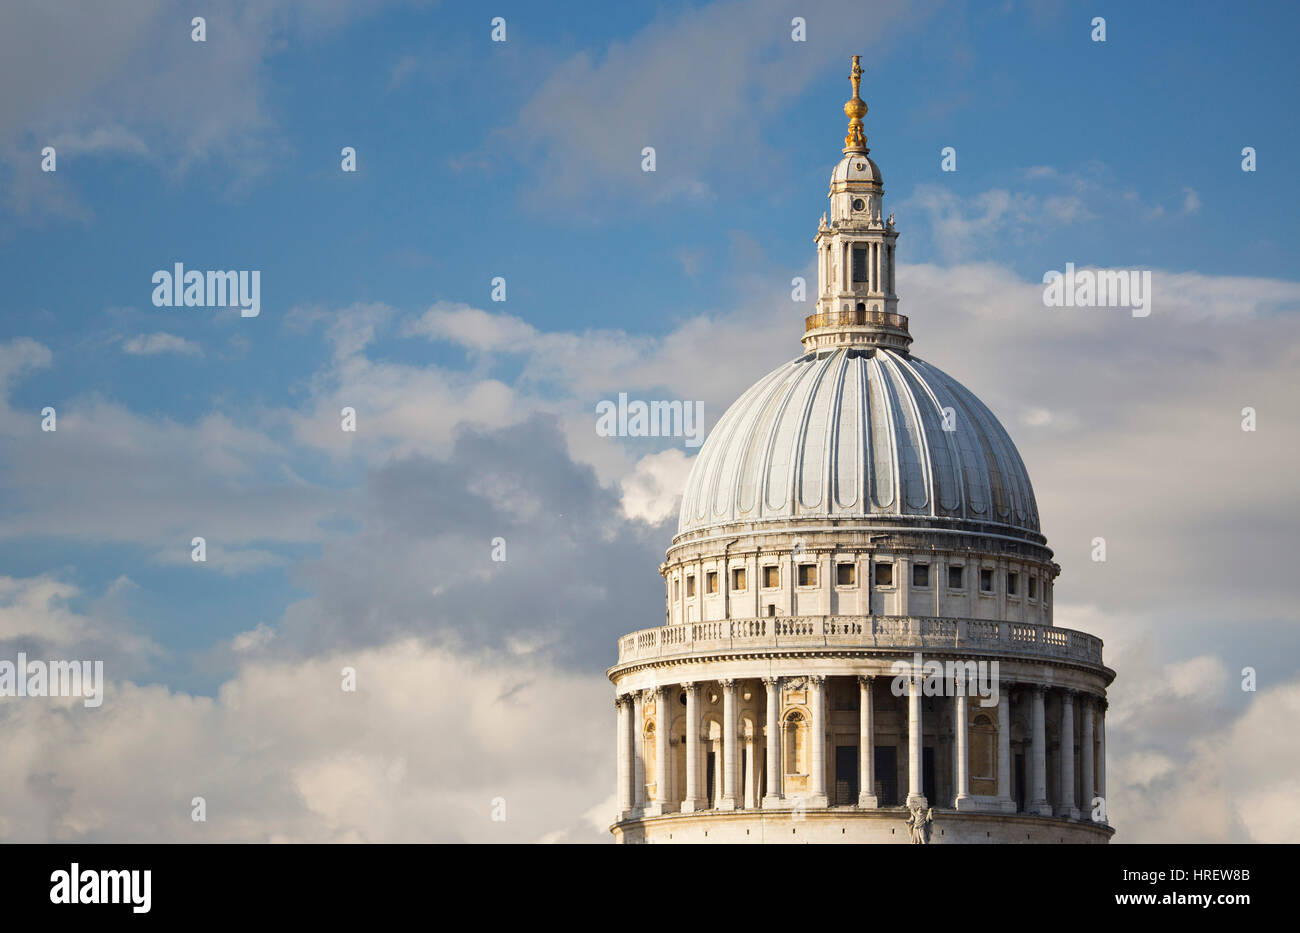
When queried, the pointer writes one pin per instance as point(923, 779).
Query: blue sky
point(522, 159)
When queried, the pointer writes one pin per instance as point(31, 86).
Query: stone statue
point(918, 825)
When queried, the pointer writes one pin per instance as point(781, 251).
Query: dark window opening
point(860, 264)
point(846, 775)
point(887, 775)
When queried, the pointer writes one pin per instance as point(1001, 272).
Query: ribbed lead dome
point(851, 433)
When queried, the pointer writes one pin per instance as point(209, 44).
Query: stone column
point(623, 704)
point(773, 796)
point(817, 742)
point(866, 744)
point(1101, 758)
point(1004, 749)
point(728, 801)
point(638, 754)
point(1038, 744)
point(1000, 588)
point(699, 590)
point(938, 582)
point(1086, 754)
point(691, 803)
point(961, 723)
point(663, 737)
point(724, 584)
point(903, 584)
point(915, 787)
point(750, 774)
point(1067, 808)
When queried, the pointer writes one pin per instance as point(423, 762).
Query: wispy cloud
point(160, 342)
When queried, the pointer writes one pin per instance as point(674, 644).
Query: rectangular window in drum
point(859, 265)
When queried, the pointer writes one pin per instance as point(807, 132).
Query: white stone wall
point(878, 828)
point(864, 596)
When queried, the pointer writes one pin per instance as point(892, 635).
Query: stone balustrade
point(778, 632)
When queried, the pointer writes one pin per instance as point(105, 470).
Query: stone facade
point(859, 643)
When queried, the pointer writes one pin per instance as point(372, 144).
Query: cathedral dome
point(853, 508)
point(860, 434)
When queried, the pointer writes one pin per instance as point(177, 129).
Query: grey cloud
point(577, 574)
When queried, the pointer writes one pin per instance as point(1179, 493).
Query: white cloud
point(1236, 783)
point(37, 616)
point(653, 491)
point(253, 639)
point(963, 227)
point(129, 81)
point(1136, 445)
point(282, 754)
point(231, 562)
point(688, 84)
point(159, 342)
point(141, 478)
point(473, 328)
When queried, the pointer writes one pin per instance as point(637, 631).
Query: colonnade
point(731, 792)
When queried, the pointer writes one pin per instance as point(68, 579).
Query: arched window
point(795, 740)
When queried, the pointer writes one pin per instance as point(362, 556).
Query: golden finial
point(855, 110)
